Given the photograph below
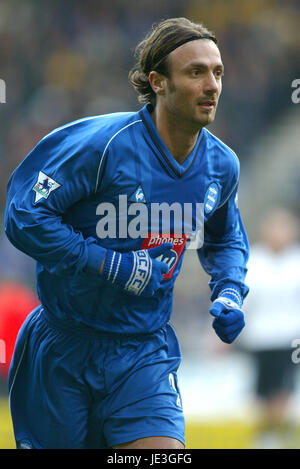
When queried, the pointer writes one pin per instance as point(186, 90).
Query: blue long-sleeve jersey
point(68, 189)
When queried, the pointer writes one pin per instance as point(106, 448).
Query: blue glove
point(136, 272)
point(229, 318)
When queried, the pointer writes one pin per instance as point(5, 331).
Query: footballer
point(95, 364)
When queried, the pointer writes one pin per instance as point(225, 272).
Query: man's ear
point(157, 82)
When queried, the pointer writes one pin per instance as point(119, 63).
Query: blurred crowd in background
point(64, 60)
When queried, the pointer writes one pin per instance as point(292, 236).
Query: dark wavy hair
point(152, 52)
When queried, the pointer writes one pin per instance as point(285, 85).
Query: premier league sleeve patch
point(44, 186)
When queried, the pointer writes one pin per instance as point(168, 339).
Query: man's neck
point(179, 139)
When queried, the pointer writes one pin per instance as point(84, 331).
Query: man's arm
point(60, 171)
point(225, 251)
point(35, 205)
point(224, 257)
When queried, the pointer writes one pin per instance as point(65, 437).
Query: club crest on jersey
point(211, 198)
point(44, 186)
point(138, 195)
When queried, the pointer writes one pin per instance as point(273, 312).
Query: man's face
point(193, 88)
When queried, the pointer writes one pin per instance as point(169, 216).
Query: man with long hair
point(95, 365)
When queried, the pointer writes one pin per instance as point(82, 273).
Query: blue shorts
point(76, 388)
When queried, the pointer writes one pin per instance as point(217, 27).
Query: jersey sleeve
point(58, 172)
point(225, 250)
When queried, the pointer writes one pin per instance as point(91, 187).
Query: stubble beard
point(184, 116)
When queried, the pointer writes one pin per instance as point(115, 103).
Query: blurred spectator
point(273, 322)
point(16, 302)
